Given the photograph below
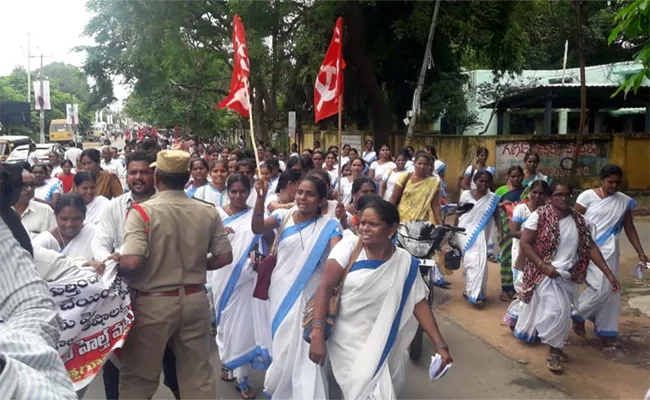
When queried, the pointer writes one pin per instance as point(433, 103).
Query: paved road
point(479, 371)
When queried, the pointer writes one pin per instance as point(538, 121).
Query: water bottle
point(639, 269)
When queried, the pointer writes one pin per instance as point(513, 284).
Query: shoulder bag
point(333, 307)
point(266, 266)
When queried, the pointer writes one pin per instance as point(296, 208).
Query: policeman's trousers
point(183, 323)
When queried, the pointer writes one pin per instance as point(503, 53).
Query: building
point(548, 101)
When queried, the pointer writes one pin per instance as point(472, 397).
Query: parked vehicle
point(42, 152)
point(9, 143)
point(61, 131)
point(422, 240)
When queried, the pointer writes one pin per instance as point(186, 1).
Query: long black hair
point(287, 177)
point(11, 185)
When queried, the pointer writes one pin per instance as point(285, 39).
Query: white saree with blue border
point(232, 288)
point(375, 326)
point(478, 224)
point(301, 255)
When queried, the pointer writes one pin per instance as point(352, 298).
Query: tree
point(68, 84)
point(632, 30)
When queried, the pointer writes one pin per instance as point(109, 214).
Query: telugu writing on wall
point(555, 157)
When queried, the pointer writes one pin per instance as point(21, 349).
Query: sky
point(55, 27)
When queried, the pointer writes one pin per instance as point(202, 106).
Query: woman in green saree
point(510, 194)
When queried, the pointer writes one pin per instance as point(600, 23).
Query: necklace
point(62, 239)
point(387, 254)
point(602, 194)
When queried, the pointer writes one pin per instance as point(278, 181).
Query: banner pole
point(250, 122)
point(340, 140)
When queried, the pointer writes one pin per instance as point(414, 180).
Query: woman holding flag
point(305, 238)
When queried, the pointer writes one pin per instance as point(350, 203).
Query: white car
point(42, 152)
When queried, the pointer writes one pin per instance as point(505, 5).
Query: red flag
point(238, 99)
point(329, 81)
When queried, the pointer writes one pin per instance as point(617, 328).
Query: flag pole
point(340, 142)
point(250, 122)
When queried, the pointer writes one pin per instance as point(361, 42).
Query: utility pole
point(428, 59)
point(29, 72)
point(41, 100)
point(29, 57)
point(42, 112)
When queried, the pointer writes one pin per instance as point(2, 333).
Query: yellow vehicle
point(61, 131)
point(9, 143)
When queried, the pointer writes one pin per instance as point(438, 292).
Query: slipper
point(505, 297)
point(246, 392)
point(227, 375)
point(554, 364)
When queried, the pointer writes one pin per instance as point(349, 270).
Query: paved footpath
point(479, 372)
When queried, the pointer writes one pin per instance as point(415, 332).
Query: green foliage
point(68, 84)
point(633, 25)
point(177, 55)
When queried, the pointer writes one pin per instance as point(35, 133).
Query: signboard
point(354, 141)
point(44, 97)
point(72, 113)
point(555, 158)
point(292, 124)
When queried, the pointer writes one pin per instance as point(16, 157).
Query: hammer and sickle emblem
point(326, 94)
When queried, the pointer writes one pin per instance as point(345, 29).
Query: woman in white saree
point(85, 185)
point(71, 236)
point(305, 240)
point(611, 212)
point(558, 245)
point(382, 300)
point(232, 288)
point(539, 193)
point(478, 224)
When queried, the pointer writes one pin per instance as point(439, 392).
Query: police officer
point(166, 241)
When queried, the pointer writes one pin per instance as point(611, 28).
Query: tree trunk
point(259, 114)
point(580, 17)
point(364, 74)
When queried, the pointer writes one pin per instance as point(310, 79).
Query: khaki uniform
point(170, 302)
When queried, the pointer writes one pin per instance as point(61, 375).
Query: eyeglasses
point(29, 186)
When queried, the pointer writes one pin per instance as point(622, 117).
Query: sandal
point(554, 363)
point(246, 391)
point(505, 296)
point(479, 304)
point(226, 375)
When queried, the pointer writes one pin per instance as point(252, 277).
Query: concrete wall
point(629, 151)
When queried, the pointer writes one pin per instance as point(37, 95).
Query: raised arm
point(259, 224)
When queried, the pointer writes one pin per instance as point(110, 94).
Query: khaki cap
point(172, 161)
